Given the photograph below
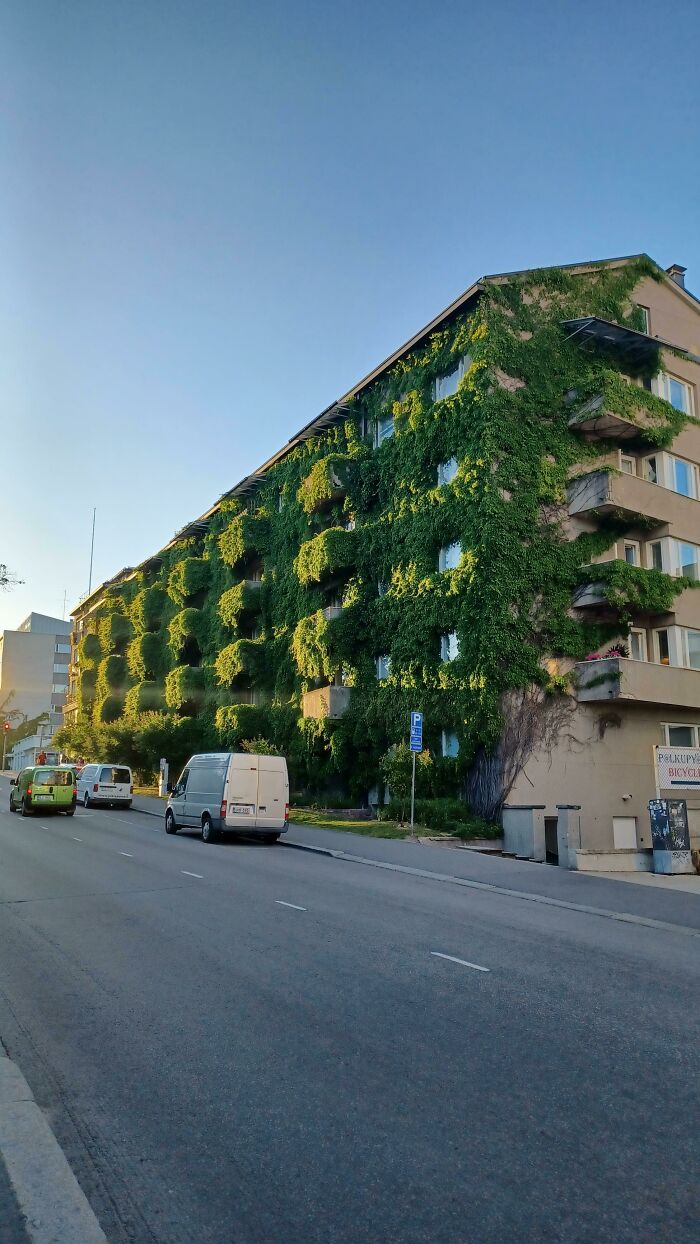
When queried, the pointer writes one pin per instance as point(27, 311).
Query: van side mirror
point(171, 790)
point(13, 781)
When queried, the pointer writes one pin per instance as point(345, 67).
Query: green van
point(49, 788)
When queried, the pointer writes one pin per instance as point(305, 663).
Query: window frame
point(666, 726)
point(460, 370)
point(628, 458)
point(443, 568)
point(672, 459)
point(636, 546)
point(661, 387)
point(383, 661)
point(441, 481)
point(384, 419)
point(638, 631)
point(444, 750)
point(448, 639)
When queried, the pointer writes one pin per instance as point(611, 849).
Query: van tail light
point(222, 809)
point(95, 786)
point(75, 792)
point(286, 811)
point(29, 790)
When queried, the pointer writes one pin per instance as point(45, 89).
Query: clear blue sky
point(217, 216)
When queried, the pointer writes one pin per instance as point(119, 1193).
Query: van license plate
point(242, 809)
point(38, 797)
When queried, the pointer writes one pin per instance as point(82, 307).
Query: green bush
point(184, 686)
point(188, 577)
point(235, 722)
point(143, 698)
point(246, 535)
point(114, 631)
point(332, 550)
point(147, 608)
point(396, 767)
point(245, 597)
point(111, 673)
point(89, 651)
point(447, 816)
point(146, 656)
point(188, 624)
point(245, 656)
point(109, 708)
point(327, 481)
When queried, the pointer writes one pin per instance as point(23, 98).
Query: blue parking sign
point(416, 739)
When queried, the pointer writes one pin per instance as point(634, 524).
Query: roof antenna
point(92, 548)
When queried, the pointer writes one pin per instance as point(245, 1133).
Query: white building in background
point(34, 663)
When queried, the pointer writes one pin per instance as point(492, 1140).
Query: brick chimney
point(677, 273)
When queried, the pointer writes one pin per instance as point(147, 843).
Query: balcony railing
point(609, 492)
point(640, 682)
point(598, 418)
point(326, 702)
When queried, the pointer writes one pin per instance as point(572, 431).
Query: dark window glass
point(53, 777)
point(112, 776)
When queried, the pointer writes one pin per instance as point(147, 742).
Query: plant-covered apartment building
point(499, 526)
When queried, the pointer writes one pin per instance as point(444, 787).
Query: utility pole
point(92, 548)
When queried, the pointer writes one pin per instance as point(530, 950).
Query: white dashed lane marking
point(128, 854)
point(282, 903)
point(186, 874)
point(464, 962)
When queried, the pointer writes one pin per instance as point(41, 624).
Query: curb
point(622, 917)
point(48, 1194)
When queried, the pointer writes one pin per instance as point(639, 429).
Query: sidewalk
point(655, 900)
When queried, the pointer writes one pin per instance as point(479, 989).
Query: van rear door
point(242, 792)
point(273, 792)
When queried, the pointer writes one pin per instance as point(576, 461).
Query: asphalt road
point(250, 1045)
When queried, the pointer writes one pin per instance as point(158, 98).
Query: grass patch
point(371, 829)
point(149, 790)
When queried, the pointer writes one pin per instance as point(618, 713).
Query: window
point(382, 588)
point(62, 648)
point(683, 477)
point(280, 501)
point(111, 775)
point(646, 322)
point(679, 736)
point(631, 552)
point(54, 777)
point(60, 669)
point(685, 559)
point(448, 383)
point(446, 471)
point(628, 465)
point(638, 645)
point(662, 647)
point(349, 524)
point(384, 428)
point(450, 743)
point(674, 390)
point(449, 646)
point(59, 688)
point(655, 555)
point(691, 648)
point(650, 470)
point(383, 667)
point(450, 556)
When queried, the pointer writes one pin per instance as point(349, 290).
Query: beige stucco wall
point(608, 753)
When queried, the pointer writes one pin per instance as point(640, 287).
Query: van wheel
point(170, 826)
point(70, 811)
point(25, 808)
point(12, 806)
point(86, 801)
point(270, 838)
point(209, 834)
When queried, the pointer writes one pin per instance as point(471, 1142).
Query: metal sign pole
point(413, 788)
point(4, 745)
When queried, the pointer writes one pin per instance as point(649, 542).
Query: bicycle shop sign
point(677, 768)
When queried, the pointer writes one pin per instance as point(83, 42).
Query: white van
point(107, 785)
point(231, 792)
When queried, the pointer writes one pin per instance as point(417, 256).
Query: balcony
point(331, 613)
point(606, 417)
point(243, 600)
point(641, 682)
point(326, 702)
point(625, 344)
point(332, 552)
point(326, 484)
point(603, 493)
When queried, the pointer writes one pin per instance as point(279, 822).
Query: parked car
point(50, 788)
point(231, 792)
point(105, 784)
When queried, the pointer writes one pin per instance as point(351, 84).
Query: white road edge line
point(282, 903)
point(464, 962)
point(186, 874)
point(128, 854)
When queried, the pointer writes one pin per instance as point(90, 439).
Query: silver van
point(230, 792)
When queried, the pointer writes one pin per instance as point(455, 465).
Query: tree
point(7, 578)
point(396, 767)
